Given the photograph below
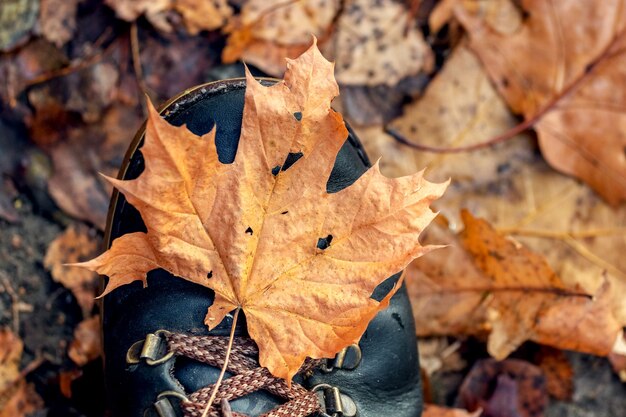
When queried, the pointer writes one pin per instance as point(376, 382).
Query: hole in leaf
point(291, 159)
point(276, 170)
point(249, 231)
point(209, 275)
point(324, 242)
point(298, 115)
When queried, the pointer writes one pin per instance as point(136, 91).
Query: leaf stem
point(205, 413)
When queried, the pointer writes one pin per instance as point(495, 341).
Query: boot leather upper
point(386, 380)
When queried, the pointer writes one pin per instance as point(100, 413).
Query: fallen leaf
point(569, 91)
point(57, 20)
point(459, 108)
point(16, 397)
point(86, 150)
point(558, 372)
point(501, 15)
point(579, 234)
point(431, 410)
point(76, 244)
point(520, 389)
point(263, 232)
point(86, 345)
point(165, 56)
point(268, 31)
point(17, 18)
point(154, 10)
point(66, 378)
point(486, 283)
point(203, 14)
point(371, 46)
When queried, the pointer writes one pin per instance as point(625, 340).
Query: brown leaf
point(370, 45)
point(431, 410)
point(459, 108)
point(486, 283)
point(566, 80)
point(76, 244)
point(66, 378)
point(203, 14)
point(520, 389)
point(154, 10)
point(16, 397)
point(57, 20)
point(75, 184)
point(86, 345)
point(268, 31)
point(558, 372)
point(267, 237)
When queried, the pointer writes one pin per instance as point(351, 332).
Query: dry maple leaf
point(75, 244)
point(267, 237)
point(567, 82)
point(86, 345)
point(486, 283)
point(17, 398)
point(268, 31)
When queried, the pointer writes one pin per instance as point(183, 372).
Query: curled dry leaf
point(268, 31)
point(371, 45)
point(154, 10)
point(431, 410)
point(203, 14)
point(76, 244)
point(265, 235)
point(520, 389)
point(570, 90)
point(16, 397)
point(86, 345)
point(486, 283)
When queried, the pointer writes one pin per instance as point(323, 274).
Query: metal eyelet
point(153, 349)
point(163, 406)
point(348, 359)
point(334, 403)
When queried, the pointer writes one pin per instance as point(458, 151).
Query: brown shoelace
point(247, 378)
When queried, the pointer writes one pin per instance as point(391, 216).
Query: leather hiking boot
point(160, 358)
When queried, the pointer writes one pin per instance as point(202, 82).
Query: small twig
point(205, 413)
point(34, 364)
point(137, 67)
point(528, 123)
point(583, 251)
point(563, 235)
point(17, 306)
point(77, 66)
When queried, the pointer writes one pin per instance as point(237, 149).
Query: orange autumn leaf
point(17, 398)
point(488, 284)
point(566, 79)
point(266, 236)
